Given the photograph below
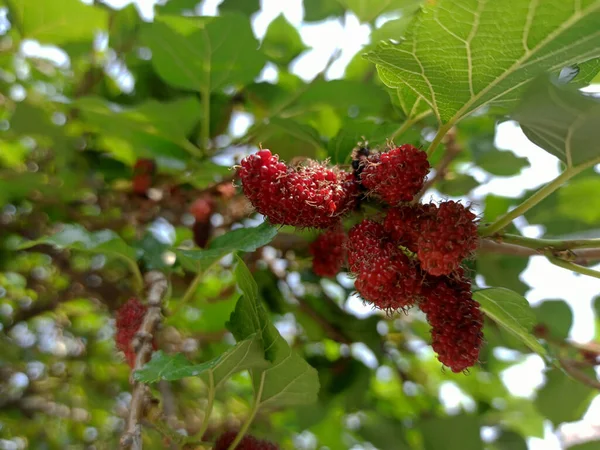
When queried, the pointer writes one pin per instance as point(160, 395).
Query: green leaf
point(452, 433)
point(456, 184)
point(579, 200)
point(290, 380)
point(563, 399)
point(511, 311)
point(247, 7)
point(146, 126)
point(289, 137)
point(510, 440)
point(203, 53)
point(502, 163)
point(369, 10)
point(557, 316)
point(317, 10)
point(561, 120)
point(78, 238)
point(242, 239)
point(282, 42)
point(453, 61)
point(57, 22)
point(246, 354)
point(502, 270)
point(384, 433)
point(340, 147)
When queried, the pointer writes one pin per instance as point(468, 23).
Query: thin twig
point(580, 256)
point(576, 373)
point(142, 343)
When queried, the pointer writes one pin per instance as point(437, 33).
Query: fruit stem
point(209, 405)
point(437, 140)
point(250, 418)
point(572, 266)
point(408, 123)
point(546, 244)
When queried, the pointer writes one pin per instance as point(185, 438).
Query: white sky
point(547, 281)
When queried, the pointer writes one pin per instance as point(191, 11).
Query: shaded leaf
point(452, 433)
point(563, 399)
point(562, 121)
point(502, 163)
point(340, 147)
point(290, 380)
point(282, 42)
point(457, 184)
point(247, 7)
point(369, 10)
point(453, 61)
point(59, 21)
point(78, 238)
point(317, 10)
point(579, 200)
point(511, 311)
point(557, 316)
point(246, 354)
point(203, 53)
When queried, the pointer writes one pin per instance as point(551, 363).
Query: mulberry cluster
point(412, 256)
point(128, 321)
point(310, 195)
point(456, 322)
point(248, 442)
point(328, 252)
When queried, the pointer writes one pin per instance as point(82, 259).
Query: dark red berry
point(447, 235)
point(403, 224)
point(328, 252)
point(144, 167)
point(141, 183)
point(129, 318)
point(248, 442)
point(396, 175)
point(456, 321)
point(386, 277)
point(202, 208)
point(202, 232)
point(311, 195)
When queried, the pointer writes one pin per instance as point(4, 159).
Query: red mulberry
point(308, 196)
point(448, 234)
point(456, 322)
point(396, 175)
point(247, 443)
point(128, 321)
point(202, 208)
point(328, 252)
point(404, 224)
point(143, 175)
point(364, 241)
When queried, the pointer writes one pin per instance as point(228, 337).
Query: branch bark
point(579, 256)
point(157, 285)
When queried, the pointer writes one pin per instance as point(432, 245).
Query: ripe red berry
point(144, 167)
point(328, 252)
point(141, 183)
point(396, 175)
point(447, 235)
point(128, 321)
point(403, 224)
point(456, 321)
point(248, 442)
point(308, 196)
point(385, 276)
point(202, 208)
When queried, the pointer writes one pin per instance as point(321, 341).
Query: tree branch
point(572, 369)
point(522, 246)
point(142, 343)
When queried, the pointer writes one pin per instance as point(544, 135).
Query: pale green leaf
point(453, 60)
point(203, 53)
point(512, 312)
point(290, 380)
point(57, 21)
point(452, 433)
point(561, 120)
point(246, 354)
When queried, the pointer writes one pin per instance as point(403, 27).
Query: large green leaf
point(203, 53)
point(290, 380)
point(563, 399)
point(452, 57)
point(562, 121)
point(556, 316)
point(452, 433)
point(579, 200)
point(57, 21)
point(282, 42)
point(242, 239)
point(246, 354)
point(511, 311)
point(78, 238)
point(369, 10)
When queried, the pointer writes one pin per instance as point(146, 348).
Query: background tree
point(125, 234)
